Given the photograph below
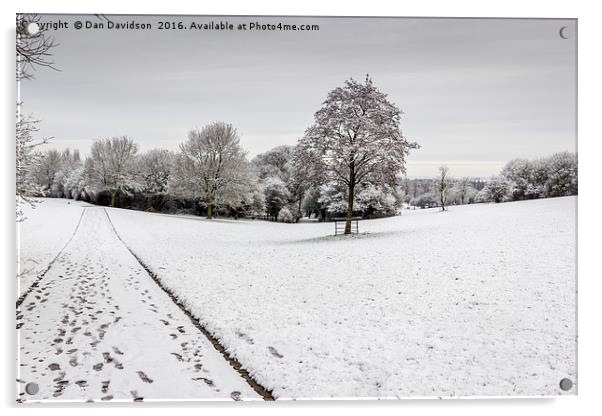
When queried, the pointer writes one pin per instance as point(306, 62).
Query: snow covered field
point(479, 300)
point(46, 230)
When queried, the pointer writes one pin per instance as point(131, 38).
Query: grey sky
point(475, 93)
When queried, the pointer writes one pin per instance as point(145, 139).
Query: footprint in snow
point(144, 377)
point(105, 386)
point(135, 396)
point(244, 336)
point(274, 352)
point(206, 380)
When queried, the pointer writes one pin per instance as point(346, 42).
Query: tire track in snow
point(234, 363)
point(36, 282)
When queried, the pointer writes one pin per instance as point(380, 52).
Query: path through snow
point(99, 328)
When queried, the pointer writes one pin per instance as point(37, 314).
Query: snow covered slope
point(479, 300)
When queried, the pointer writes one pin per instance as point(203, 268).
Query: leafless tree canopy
point(32, 50)
point(26, 160)
point(154, 168)
point(356, 138)
point(211, 164)
point(111, 165)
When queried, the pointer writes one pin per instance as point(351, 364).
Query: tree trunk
point(210, 211)
point(350, 199)
point(300, 212)
point(113, 194)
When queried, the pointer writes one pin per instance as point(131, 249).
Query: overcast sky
point(475, 93)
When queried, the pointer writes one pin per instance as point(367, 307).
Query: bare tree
point(155, 166)
point(48, 166)
point(33, 50)
point(26, 159)
point(463, 188)
point(280, 162)
point(111, 166)
point(356, 138)
point(496, 190)
point(442, 185)
point(211, 165)
point(68, 163)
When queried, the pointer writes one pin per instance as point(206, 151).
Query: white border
point(590, 204)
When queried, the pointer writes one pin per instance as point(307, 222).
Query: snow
point(47, 228)
point(479, 300)
point(99, 328)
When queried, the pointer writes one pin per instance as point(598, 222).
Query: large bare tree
point(112, 166)
point(211, 166)
point(356, 138)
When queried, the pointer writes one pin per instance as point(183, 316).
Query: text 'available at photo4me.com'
point(178, 23)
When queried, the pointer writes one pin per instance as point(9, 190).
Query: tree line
point(211, 174)
point(349, 162)
point(520, 179)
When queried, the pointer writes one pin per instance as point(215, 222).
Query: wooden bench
point(340, 222)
